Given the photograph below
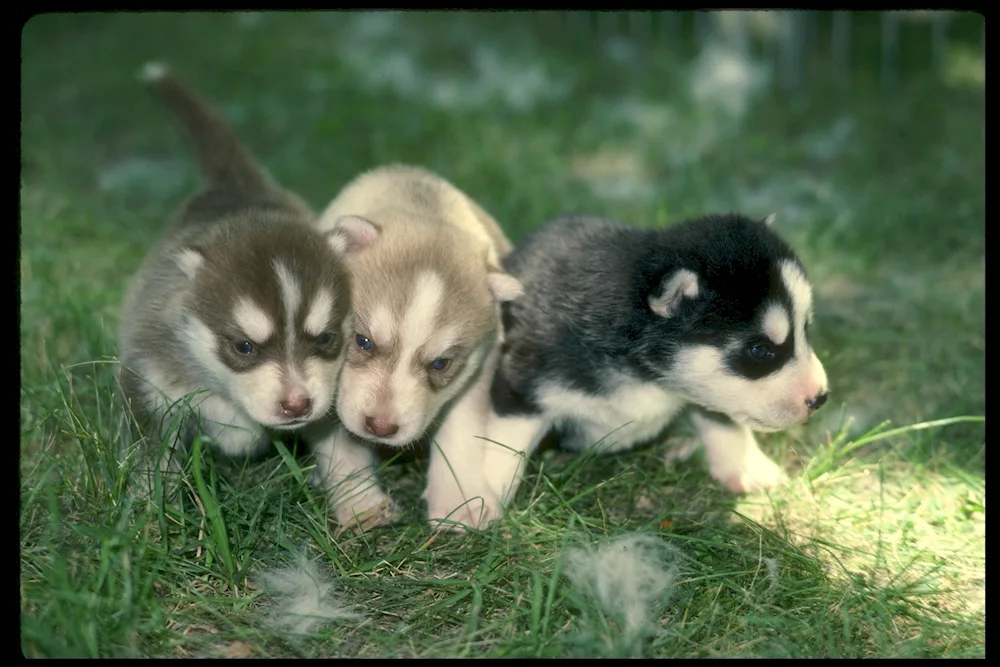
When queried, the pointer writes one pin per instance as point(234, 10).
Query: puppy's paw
point(368, 512)
point(758, 474)
point(452, 513)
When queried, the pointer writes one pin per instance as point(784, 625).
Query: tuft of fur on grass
point(629, 576)
point(303, 599)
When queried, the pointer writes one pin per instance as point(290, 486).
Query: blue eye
point(440, 364)
point(324, 338)
point(243, 347)
point(761, 352)
point(363, 343)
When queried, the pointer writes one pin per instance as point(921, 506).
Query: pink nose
point(383, 428)
point(296, 405)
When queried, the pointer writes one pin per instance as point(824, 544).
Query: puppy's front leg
point(456, 490)
point(345, 469)
point(513, 438)
point(734, 458)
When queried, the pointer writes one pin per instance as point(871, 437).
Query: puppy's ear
point(189, 259)
point(504, 286)
point(769, 220)
point(352, 233)
point(673, 288)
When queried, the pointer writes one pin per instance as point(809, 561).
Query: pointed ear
point(189, 259)
point(504, 286)
point(351, 233)
point(769, 220)
point(673, 288)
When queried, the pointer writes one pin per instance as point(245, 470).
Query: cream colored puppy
point(426, 287)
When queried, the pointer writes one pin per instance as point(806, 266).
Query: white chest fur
point(633, 413)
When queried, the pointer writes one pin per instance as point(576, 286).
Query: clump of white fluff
point(303, 599)
point(629, 576)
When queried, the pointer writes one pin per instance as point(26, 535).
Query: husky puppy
point(620, 328)
point(235, 325)
point(426, 287)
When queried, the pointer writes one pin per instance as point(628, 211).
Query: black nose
point(815, 404)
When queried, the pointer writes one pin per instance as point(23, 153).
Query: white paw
point(367, 510)
point(757, 474)
point(449, 511)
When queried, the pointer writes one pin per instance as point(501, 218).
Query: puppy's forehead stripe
point(421, 314)
point(776, 323)
point(382, 325)
point(253, 320)
point(291, 297)
point(320, 312)
point(291, 292)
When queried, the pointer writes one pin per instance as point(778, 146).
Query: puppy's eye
point(243, 347)
point(440, 364)
point(324, 339)
point(363, 343)
point(761, 352)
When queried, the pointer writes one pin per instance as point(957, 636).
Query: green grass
point(875, 549)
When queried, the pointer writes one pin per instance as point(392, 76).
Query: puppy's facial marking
point(254, 321)
point(318, 316)
point(776, 324)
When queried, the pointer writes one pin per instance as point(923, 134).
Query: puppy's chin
point(400, 440)
point(291, 426)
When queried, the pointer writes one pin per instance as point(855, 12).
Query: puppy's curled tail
point(224, 162)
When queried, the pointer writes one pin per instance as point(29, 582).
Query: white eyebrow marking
point(320, 312)
point(776, 323)
point(253, 320)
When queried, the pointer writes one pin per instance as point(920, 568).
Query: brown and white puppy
point(235, 326)
point(426, 288)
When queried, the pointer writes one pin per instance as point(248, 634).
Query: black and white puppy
point(620, 328)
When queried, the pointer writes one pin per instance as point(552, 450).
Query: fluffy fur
point(629, 576)
point(235, 325)
point(427, 284)
point(303, 599)
point(620, 329)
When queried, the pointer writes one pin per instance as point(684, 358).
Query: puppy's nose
point(383, 428)
point(296, 404)
point(816, 403)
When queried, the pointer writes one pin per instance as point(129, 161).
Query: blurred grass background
point(863, 131)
